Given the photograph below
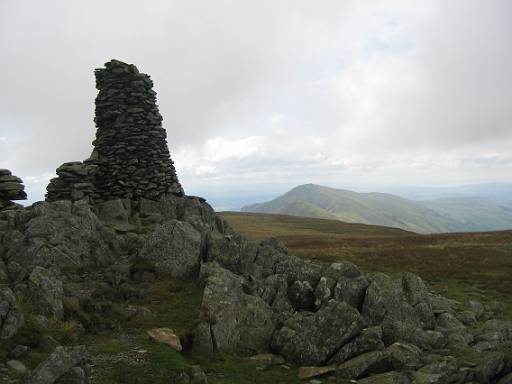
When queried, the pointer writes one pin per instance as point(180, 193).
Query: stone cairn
point(11, 188)
point(73, 182)
point(130, 157)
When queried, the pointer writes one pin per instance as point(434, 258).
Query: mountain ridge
point(455, 214)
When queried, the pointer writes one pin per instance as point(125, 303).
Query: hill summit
point(89, 264)
point(462, 214)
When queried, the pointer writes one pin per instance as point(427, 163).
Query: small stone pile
point(73, 182)
point(132, 154)
point(11, 188)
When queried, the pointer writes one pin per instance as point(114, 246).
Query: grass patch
point(159, 364)
point(232, 370)
point(173, 303)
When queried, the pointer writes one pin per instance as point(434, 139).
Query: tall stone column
point(130, 149)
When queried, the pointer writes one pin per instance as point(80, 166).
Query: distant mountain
point(460, 214)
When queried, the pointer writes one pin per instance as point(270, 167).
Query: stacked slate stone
point(11, 188)
point(73, 182)
point(131, 150)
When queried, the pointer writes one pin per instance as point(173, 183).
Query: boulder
point(440, 371)
point(490, 367)
point(197, 212)
point(301, 295)
point(405, 356)
point(174, 249)
point(312, 338)
point(58, 365)
point(364, 365)
point(11, 318)
point(274, 291)
point(409, 332)
point(61, 235)
point(46, 292)
point(233, 252)
point(369, 340)
point(165, 336)
point(310, 372)
point(231, 321)
point(351, 290)
point(17, 366)
point(323, 292)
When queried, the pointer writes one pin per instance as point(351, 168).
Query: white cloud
point(269, 92)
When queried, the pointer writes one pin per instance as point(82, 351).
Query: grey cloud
point(375, 81)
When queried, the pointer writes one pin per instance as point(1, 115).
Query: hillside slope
point(444, 215)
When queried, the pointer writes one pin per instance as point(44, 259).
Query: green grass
point(158, 364)
point(173, 303)
point(237, 371)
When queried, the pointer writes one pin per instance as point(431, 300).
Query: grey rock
point(495, 331)
point(467, 318)
point(439, 371)
point(364, 365)
point(19, 351)
point(403, 308)
point(369, 340)
point(76, 375)
point(11, 186)
point(11, 317)
point(312, 338)
point(199, 214)
point(174, 248)
point(58, 364)
point(322, 292)
point(233, 252)
point(46, 292)
point(232, 321)
point(477, 308)
point(408, 332)
point(441, 304)
point(351, 290)
point(405, 356)
point(490, 367)
point(275, 293)
point(344, 269)
point(301, 295)
point(115, 213)
point(274, 243)
point(17, 366)
point(61, 234)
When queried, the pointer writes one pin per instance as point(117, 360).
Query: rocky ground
point(160, 292)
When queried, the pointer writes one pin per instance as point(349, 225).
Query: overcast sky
point(264, 95)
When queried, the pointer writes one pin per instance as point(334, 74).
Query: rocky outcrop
point(11, 188)
point(303, 338)
point(11, 318)
point(46, 292)
point(174, 249)
point(63, 366)
point(232, 321)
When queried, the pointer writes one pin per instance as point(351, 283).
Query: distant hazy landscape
point(465, 209)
